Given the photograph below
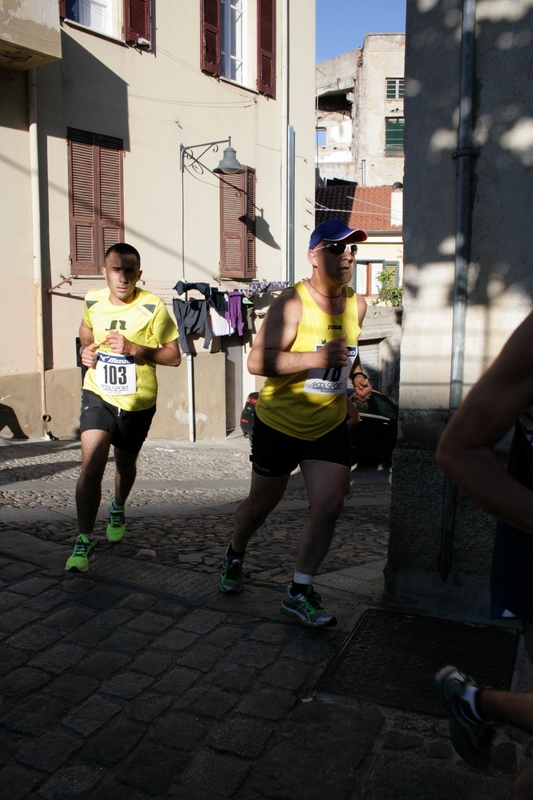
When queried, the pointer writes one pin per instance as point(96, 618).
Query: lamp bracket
point(186, 152)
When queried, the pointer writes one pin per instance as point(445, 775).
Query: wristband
point(362, 374)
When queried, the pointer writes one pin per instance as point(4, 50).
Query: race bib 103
point(115, 374)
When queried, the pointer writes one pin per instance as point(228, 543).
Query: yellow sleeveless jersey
point(309, 404)
point(124, 381)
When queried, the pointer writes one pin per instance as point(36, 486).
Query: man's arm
point(168, 354)
point(466, 448)
point(269, 355)
point(361, 385)
point(88, 346)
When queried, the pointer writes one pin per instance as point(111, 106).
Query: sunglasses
point(338, 248)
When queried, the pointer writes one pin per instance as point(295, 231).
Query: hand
point(119, 344)
point(361, 389)
point(333, 354)
point(88, 354)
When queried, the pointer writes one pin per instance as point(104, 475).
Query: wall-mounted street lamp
point(228, 165)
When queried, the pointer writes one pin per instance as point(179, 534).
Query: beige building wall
point(29, 33)
point(154, 101)
point(382, 57)
point(499, 286)
point(352, 107)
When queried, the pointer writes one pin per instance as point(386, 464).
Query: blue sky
point(341, 25)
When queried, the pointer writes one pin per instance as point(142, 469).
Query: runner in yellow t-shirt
point(307, 349)
point(125, 332)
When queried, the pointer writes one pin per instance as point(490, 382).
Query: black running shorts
point(128, 429)
point(275, 454)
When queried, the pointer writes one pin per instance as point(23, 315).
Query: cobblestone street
point(180, 510)
point(139, 680)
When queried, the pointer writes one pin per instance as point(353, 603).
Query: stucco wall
point(153, 101)
point(500, 281)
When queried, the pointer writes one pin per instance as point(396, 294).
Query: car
point(373, 438)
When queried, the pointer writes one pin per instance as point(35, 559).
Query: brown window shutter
point(82, 203)
point(62, 8)
point(138, 21)
point(210, 40)
point(237, 225)
point(96, 199)
point(266, 47)
point(250, 269)
point(110, 223)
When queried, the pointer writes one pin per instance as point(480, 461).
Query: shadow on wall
point(502, 237)
point(8, 419)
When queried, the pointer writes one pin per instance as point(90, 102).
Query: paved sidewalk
point(140, 680)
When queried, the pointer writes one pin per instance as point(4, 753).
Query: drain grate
point(390, 658)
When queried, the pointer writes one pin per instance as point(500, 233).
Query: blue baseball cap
point(334, 230)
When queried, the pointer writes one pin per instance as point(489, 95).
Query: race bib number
point(115, 374)
point(332, 380)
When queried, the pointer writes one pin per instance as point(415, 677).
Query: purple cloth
point(234, 312)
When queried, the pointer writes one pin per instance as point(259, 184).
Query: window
point(231, 29)
point(95, 197)
point(129, 20)
point(366, 276)
point(394, 127)
point(237, 225)
point(320, 137)
point(225, 25)
point(395, 88)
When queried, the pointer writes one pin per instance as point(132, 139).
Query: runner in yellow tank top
point(307, 349)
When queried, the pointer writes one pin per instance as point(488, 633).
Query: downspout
point(464, 156)
point(36, 234)
point(285, 100)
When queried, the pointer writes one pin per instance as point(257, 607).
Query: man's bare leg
point(95, 446)
point(326, 486)
point(265, 494)
point(125, 474)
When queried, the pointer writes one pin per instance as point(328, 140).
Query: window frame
point(399, 88)
point(392, 149)
point(211, 44)
point(135, 25)
point(91, 179)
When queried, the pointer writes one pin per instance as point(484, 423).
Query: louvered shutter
point(96, 199)
point(210, 40)
point(62, 8)
point(110, 223)
point(82, 203)
point(237, 225)
point(266, 47)
point(250, 224)
point(138, 20)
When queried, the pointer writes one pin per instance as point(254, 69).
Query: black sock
point(299, 588)
point(231, 553)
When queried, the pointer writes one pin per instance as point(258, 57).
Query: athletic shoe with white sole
point(307, 609)
point(471, 737)
point(117, 523)
point(82, 554)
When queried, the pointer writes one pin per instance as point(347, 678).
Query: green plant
point(389, 294)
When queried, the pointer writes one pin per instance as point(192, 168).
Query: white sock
point(87, 535)
point(302, 577)
point(117, 507)
point(469, 697)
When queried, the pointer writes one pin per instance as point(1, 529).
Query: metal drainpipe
point(285, 100)
point(464, 156)
point(36, 231)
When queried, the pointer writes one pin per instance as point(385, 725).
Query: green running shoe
point(471, 738)
point(117, 523)
point(307, 609)
point(231, 576)
point(82, 554)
